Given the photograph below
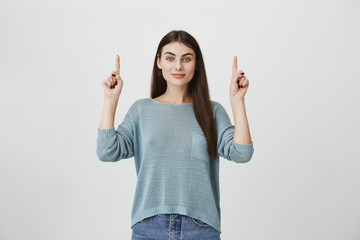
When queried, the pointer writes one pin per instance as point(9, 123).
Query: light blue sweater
point(175, 173)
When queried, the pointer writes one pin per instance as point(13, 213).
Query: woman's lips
point(178, 75)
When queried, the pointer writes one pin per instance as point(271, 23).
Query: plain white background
point(302, 60)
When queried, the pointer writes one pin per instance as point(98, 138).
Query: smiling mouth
point(178, 75)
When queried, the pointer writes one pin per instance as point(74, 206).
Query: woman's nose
point(178, 65)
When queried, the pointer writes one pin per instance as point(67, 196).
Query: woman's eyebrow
point(182, 55)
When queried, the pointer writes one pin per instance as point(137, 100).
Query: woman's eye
point(189, 59)
point(168, 58)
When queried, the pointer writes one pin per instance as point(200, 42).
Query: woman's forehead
point(177, 48)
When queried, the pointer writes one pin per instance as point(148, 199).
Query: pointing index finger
point(117, 64)
point(234, 68)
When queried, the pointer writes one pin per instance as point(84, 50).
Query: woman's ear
point(158, 62)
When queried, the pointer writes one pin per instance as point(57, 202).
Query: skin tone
point(238, 87)
point(177, 58)
point(112, 86)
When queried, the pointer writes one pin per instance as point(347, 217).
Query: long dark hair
point(197, 88)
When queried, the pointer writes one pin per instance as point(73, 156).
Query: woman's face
point(177, 58)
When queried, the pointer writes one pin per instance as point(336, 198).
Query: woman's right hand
point(113, 83)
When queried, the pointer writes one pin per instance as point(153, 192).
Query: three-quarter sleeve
point(227, 148)
point(113, 145)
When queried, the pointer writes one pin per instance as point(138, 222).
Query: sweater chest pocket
point(199, 147)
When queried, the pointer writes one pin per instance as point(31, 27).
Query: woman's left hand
point(239, 84)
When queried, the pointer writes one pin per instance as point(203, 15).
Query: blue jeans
point(173, 227)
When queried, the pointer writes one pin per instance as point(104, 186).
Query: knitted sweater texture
point(175, 173)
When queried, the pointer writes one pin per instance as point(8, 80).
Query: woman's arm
point(112, 86)
point(108, 113)
point(238, 87)
point(227, 147)
point(115, 144)
point(242, 131)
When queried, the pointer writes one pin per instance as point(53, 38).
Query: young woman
point(176, 137)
